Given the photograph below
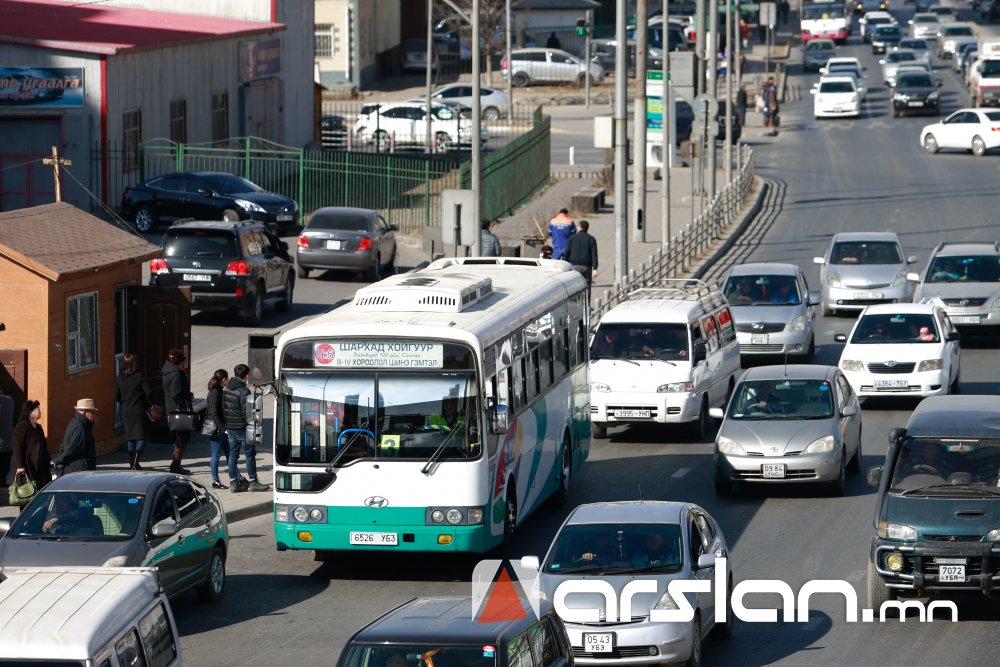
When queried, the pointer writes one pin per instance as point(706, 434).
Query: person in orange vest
point(561, 228)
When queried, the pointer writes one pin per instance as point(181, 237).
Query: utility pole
point(668, 145)
point(639, 124)
point(712, 62)
point(510, 84)
point(427, 79)
point(699, 88)
point(56, 162)
point(477, 119)
point(727, 151)
point(586, 48)
point(621, 145)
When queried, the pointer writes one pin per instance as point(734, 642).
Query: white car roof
point(865, 236)
point(878, 14)
point(843, 60)
point(890, 308)
point(757, 268)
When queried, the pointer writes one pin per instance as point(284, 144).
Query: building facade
point(357, 41)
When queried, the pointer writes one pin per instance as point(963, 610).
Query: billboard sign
point(41, 87)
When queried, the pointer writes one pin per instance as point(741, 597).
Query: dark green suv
point(229, 266)
point(937, 513)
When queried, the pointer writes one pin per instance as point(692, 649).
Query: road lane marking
point(681, 472)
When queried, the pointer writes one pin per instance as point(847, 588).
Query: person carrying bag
point(177, 399)
point(21, 490)
point(31, 450)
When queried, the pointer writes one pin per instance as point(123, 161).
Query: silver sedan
point(794, 423)
point(355, 239)
point(863, 268)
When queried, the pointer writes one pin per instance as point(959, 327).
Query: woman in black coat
point(177, 397)
point(213, 411)
point(31, 449)
point(132, 391)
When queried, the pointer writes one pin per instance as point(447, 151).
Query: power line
point(116, 219)
point(21, 164)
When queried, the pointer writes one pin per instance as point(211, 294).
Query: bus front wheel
point(509, 518)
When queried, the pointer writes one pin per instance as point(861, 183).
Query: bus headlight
point(475, 515)
point(453, 516)
point(300, 514)
point(437, 516)
point(315, 514)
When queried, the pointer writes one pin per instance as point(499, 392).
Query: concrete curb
point(250, 511)
point(741, 226)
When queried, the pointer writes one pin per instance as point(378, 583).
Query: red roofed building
point(96, 79)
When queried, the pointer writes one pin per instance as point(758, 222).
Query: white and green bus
point(435, 412)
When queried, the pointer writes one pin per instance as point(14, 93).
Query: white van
point(665, 355)
point(87, 616)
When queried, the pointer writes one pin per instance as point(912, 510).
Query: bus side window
point(531, 374)
point(559, 355)
point(581, 343)
point(518, 394)
point(545, 364)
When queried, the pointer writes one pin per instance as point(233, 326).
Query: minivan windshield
point(616, 548)
point(946, 466)
point(664, 342)
point(966, 269)
point(782, 399)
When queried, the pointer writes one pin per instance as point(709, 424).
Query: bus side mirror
point(255, 427)
point(498, 417)
point(896, 434)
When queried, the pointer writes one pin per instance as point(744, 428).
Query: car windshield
point(79, 515)
point(914, 81)
point(866, 252)
point(843, 69)
point(340, 221)
point(781, 399)
point(200, 243)
point(925, 19)
point(958, 31)
point(879, 20)
point(950, 467)
point(616, 547)
point(836, 87)
point(665, 342)
point(431, 654)
point(766, 290)
point(915, 44)
point(900, 56)
point(888, 31)
point(229, 184)
point(971, 269)
point(990, 68)
point(896, 328)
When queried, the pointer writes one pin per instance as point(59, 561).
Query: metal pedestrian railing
point(690, 244)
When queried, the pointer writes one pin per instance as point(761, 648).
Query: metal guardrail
point(687, 246)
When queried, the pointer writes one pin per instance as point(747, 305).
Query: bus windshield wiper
point(336, 459)
point(439, 452)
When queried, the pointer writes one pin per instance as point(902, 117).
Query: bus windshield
point(822, 11)
point(339, 417)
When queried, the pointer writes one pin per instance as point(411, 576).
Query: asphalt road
point(841, 175)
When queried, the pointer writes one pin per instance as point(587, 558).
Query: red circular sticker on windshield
point(323, 354)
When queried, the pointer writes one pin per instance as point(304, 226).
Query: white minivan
point(665, 355)
point(87, 616)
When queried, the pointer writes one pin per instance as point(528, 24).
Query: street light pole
point(727, 151)
point(639, 125)
point(712, 63)
point(510, 85)
point(586, 48)
point(477, 119)
point(430, 54)
point(621, 146)
point(668, 146)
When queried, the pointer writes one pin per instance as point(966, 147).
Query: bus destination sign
point(378, 354)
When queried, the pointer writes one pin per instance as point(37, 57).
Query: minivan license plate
point(773, 470)
point(603, 642)
point(375, 539)
point(951, 573)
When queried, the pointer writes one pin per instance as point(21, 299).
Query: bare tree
point(491, 23)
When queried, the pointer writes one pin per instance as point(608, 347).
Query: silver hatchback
point(772, 308)
point(861, 269)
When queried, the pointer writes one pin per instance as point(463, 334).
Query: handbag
point(209, 427)
point(155, 413)
point(182, 421)
point(19, 495)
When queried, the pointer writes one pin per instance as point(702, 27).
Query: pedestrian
point(741, 105)
point(31, 449)
point(6, 434)
point(133, 393)
point(771, 106)
point(236, 410)
point(218, 439)
point(177, 397)
point(552, 42)
point(77, 451)
point(561, 227)
point(783, 10)
point(581, 252)
point(489, 244)
point(744, 33)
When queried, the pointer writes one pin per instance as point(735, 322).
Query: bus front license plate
point(598, 643)
point(375, 539)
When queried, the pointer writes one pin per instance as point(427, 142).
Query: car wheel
point(854, 465)
point(374, 273)
point(695, 659)
point(895, 113)
point(978, 146)
point(812, 347)
point(381, 140)
point(285, 304)
point(520, 80)
point(144, 219)
point(255, 313)
point(878, 592)
point(509, 519)
point(561, 497)
point(930, 144)
point(491, 113)
point(390, 268)
point(301, 271)
point(839, 486)
point(581, 79)
point(442, 142)
point(599, 431)
point(231, 215)
point(215, 580)
point(956, 386)
point(725, 630)
point(700, 427)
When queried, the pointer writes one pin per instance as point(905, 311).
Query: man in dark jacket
point(237, 411)
point(77, 451)
point(581, 252)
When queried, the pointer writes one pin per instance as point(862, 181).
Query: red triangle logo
point(503, 603)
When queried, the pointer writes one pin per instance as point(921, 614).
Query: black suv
point(229, 266)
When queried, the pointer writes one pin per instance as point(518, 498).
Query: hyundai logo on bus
point(377, 502)
point(496, 597)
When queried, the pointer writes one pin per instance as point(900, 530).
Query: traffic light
point(581, 27)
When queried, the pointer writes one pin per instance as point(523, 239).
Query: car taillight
point(365, 244)
point(158, 266)
point(303, 241)
point(238, 269)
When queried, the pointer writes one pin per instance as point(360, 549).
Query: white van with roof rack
point(665, 355)
point(86, 616)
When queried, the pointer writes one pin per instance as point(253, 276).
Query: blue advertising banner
point(41, 87)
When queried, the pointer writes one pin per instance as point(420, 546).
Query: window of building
point(323, 40)
point(81, 332)
point(131, 136)
point(178, 121)
point(220, 116)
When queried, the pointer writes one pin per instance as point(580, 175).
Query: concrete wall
point(366, 36)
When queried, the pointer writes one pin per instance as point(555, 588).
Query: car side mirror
point(165, 528)
point(849, 410)
point(393, 228)
point(5, 526)
point(913, 277)
point(874, 476)
point(706, 561)
point(940, 83)
point(717, 413)
point(822, 70)
point(839, 338)
point(896, 434)
point(819, 260)
point(912, 259)
point(953, 336)
point(813, 91)
point(815, 299)
point(530, 563)
point(700, 352)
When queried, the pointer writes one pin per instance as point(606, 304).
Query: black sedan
point(124, 519)
point(206, 195)
point(885, 37)
point(915, 92)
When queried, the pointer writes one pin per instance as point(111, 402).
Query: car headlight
point(996, 303)
point(666, 601)
point(832, 279)
point(897, 531)
point(852, 365)
point(900, 279)
point(820, 445)
point(933, 96)
point(730, 447)
point(798, 324)
point(930, 365)
point(599, 386)
point(249, 206)
point(993, 535)
point(675, 387)
point(117, 561)
point(899, 97)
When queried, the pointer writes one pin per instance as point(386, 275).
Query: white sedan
point(836, 96)
point(493, 101)
point(902, 348)
point(976, 130)
point(405, 124)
